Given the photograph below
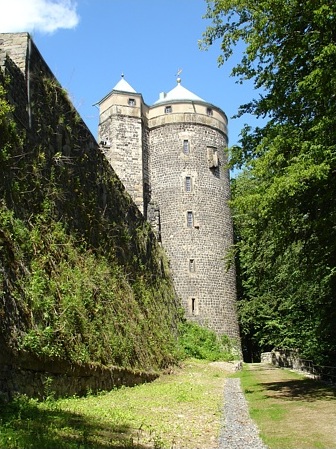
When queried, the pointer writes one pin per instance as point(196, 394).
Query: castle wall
point(60, 176)
point(15, 46)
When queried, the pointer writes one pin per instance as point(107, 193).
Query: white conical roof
point(123, 86)
point(178, 93)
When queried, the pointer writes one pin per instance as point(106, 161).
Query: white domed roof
point(178, 93)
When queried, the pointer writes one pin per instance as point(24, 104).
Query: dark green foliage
point(284, 197)
point(201, 343)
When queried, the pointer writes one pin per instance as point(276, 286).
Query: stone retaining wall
point(91, 202)
point(40, 378)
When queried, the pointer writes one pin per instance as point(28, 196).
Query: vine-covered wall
point(83, 278)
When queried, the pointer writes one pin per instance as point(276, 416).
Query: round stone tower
point(172, 159)
point(189, 183)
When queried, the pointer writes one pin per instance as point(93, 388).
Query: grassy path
point(291, 411)
point(179, 410)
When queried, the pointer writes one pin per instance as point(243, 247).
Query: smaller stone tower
point(121, 135)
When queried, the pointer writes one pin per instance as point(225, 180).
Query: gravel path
point(239, 431)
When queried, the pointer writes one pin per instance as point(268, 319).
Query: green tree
point(284, 197)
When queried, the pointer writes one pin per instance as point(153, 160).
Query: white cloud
point(45, 16)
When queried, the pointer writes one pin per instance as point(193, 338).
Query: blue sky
point(89, 43)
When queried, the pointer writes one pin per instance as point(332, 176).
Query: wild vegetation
point(82, 277)
point(203, 344)
point(284, 195)
point(81, 307)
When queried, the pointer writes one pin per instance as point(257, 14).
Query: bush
point(202, 343)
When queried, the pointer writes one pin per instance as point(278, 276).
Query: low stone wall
point(266, 357)
point(40, 378)
point(285, 358)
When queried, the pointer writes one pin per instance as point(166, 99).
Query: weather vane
point(179, 71)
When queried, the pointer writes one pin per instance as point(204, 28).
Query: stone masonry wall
point(197, 253)
point(13, 56)
point(124, 131)
point(39, 378)
point(89, 199)
point(15, 45)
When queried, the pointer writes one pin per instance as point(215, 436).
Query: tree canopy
point(284, 196)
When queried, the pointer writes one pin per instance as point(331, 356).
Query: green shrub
point(202, 343)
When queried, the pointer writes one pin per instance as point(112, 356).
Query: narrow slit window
point(192, 267)
point(193, 306)
point(186, 148)
point(190, 219)
point(188, 184)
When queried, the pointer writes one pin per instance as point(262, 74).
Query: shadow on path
point(25, 423)
point(280, 383)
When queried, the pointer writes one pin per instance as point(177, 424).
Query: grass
point(291, 411)
point(180, 410)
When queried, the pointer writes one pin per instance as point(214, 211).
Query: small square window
point(188, 184)
point(168, 110)
point(186, 147)
point(131, 102)
point(190, 219)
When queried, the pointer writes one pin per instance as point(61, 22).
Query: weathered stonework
point(40, 378)
point(185, 189)
point(145, 146)
point(121, 137)
point(91, 203)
